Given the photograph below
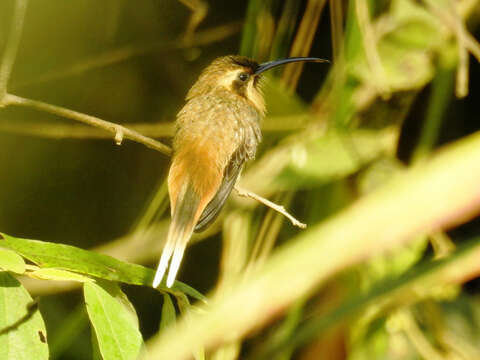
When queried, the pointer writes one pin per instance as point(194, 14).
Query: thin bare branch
point(119, 131)
point(272, 205)
point(11, 47)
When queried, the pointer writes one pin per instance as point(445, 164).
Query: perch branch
point(272, 205)
point(119, 131)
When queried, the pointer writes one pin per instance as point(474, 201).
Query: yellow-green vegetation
point(373, 152)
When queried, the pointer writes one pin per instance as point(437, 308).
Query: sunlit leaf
point(50, 255)
point(315, 159)
point(11, 261)
point(22, 330)
point(332, 156)
point(58, 274)
point(116, 330)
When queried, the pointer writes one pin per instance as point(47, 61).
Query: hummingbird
point(217, 131)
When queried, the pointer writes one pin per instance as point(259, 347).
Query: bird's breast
point(210, 129)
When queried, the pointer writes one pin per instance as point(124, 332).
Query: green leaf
point(115, 328)
point(332, 156)
point(416, 26)
point(50, 255)
point(58, 274)
point(11, 261)
point(406, 48)
point(22, 330)
point(312, 159)
point(168, 312)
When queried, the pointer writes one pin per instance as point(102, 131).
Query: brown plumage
point(218, 130)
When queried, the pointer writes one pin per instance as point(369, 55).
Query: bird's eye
point(243, 76)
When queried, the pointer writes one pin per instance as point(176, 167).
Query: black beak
point(271, 64)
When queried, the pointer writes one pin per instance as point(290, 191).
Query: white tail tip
point(176, 254)
point(163, 263)
point(175, 264)
point(174, 248)
point(158, 278)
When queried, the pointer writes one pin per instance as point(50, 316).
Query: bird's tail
point(184, 218)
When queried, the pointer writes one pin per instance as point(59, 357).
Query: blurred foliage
point(351, 149)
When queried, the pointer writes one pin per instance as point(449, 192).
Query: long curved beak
point(271, 64)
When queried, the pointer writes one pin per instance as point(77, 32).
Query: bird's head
point(239, 75)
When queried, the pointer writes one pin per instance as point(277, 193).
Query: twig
point(12, 46)
point(119, 131)
point(272, 205)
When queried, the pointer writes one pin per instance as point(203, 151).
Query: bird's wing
point(231, 173)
